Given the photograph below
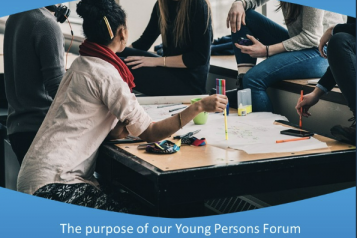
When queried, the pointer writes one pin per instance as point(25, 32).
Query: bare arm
point(163, 129)
point(259, 50)
point(115, 94)
point(276, 49)
point(308, 101)
point(142, 61)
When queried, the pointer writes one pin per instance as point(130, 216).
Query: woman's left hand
point(142, 61)
point(256, 50)
point(324, 40)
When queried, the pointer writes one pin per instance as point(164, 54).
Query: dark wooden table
point(172, 193)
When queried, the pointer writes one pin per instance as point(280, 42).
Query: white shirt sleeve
point(123, 104)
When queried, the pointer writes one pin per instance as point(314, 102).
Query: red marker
point(294, 139)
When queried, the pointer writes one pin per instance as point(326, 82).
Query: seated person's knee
point(252, 81)
point(338, 40)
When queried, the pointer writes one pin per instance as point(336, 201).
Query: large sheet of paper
point(255, 133)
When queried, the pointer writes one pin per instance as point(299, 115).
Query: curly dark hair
point(93, 13)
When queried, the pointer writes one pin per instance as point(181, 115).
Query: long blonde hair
point(182, 22)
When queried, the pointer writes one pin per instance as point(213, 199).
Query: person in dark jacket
point(186, 31)
point(341, 55)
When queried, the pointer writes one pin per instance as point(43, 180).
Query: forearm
point(170, 61)
point(318, 92)
point(276, 49)
point(175, 62)
point(165, 128)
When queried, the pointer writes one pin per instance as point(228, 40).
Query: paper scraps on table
point(193, 141)
point(164, 147)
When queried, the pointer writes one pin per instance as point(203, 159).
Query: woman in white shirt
point(94, 101)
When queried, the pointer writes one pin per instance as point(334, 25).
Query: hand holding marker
point(221, 89)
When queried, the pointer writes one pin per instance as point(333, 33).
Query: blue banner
point(327, 216)
point(332, 215)
point(11, 7)
point(347, 7)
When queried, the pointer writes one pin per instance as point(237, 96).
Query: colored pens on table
point(169, 105)
point(221, 89)
point(294, 139)
point(177, 109)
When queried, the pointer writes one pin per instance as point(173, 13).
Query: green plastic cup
point(201, 118)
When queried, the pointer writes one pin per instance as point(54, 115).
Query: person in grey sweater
point(34, 67)
point(291, 53)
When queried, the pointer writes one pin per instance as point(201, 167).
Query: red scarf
point(93, 49)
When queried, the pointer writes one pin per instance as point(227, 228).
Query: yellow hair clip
point(109, 28)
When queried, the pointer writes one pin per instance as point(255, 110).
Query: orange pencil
point(294, 139)
point(301, 96)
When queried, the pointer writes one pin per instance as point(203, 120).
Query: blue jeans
point(300, 64)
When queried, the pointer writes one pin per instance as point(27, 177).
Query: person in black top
point(186, 30)
point(341, 55)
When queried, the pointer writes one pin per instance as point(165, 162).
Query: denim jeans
point(300, 64)
point(341, 54)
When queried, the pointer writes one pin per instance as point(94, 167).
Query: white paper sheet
point(254, 133)
point(273, 147)
point(158, 114)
